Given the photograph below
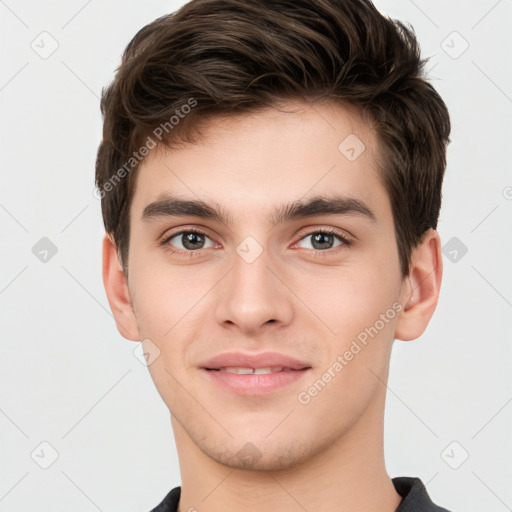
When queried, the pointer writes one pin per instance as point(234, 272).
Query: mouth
point(253, 371)
point(255, 381)
point(260, 373)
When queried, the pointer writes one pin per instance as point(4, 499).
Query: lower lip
point(255, 384)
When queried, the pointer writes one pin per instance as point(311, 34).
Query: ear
point(116, 287)
point(420, 289)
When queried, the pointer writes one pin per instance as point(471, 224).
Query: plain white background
point(70, 381)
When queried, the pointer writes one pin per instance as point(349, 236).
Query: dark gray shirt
point(414, 497)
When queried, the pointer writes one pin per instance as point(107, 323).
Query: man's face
point(252, 286)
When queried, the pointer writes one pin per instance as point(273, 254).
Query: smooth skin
point(198, 302)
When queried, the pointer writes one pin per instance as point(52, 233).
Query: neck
point(349, 475)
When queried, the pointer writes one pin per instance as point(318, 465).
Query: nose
point(253, 296)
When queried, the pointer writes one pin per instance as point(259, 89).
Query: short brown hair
point(227, 57)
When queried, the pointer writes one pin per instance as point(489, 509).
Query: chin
point(262, 455)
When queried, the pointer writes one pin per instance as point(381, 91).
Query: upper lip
point(262, 360)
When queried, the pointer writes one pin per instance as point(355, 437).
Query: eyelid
point(170, 233)
point(342, 233)
point(307, 231)
point(346, 241)
point(164, 240)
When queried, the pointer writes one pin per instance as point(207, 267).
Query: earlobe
point(118, 295)
point(420, 290)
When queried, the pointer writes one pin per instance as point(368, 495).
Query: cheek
point(164, 296)
point(168, 304)
point(350, 299)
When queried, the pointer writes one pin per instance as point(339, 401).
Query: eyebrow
point(171, 206)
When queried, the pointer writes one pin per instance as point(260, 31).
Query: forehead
point(251, 163)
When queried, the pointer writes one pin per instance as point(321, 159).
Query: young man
point(270, 176)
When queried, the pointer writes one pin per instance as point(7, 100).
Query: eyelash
point(320, 253)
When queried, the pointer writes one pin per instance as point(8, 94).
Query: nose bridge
point(252, 295)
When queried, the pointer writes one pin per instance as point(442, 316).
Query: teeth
point(241, 371)
point(247, 371)
point(264, 370)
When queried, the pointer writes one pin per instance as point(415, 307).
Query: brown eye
point(322, 240)
point(187, 241)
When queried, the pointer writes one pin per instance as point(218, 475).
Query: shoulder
point(415, 496)
point(170, 502)
point(412, 489)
